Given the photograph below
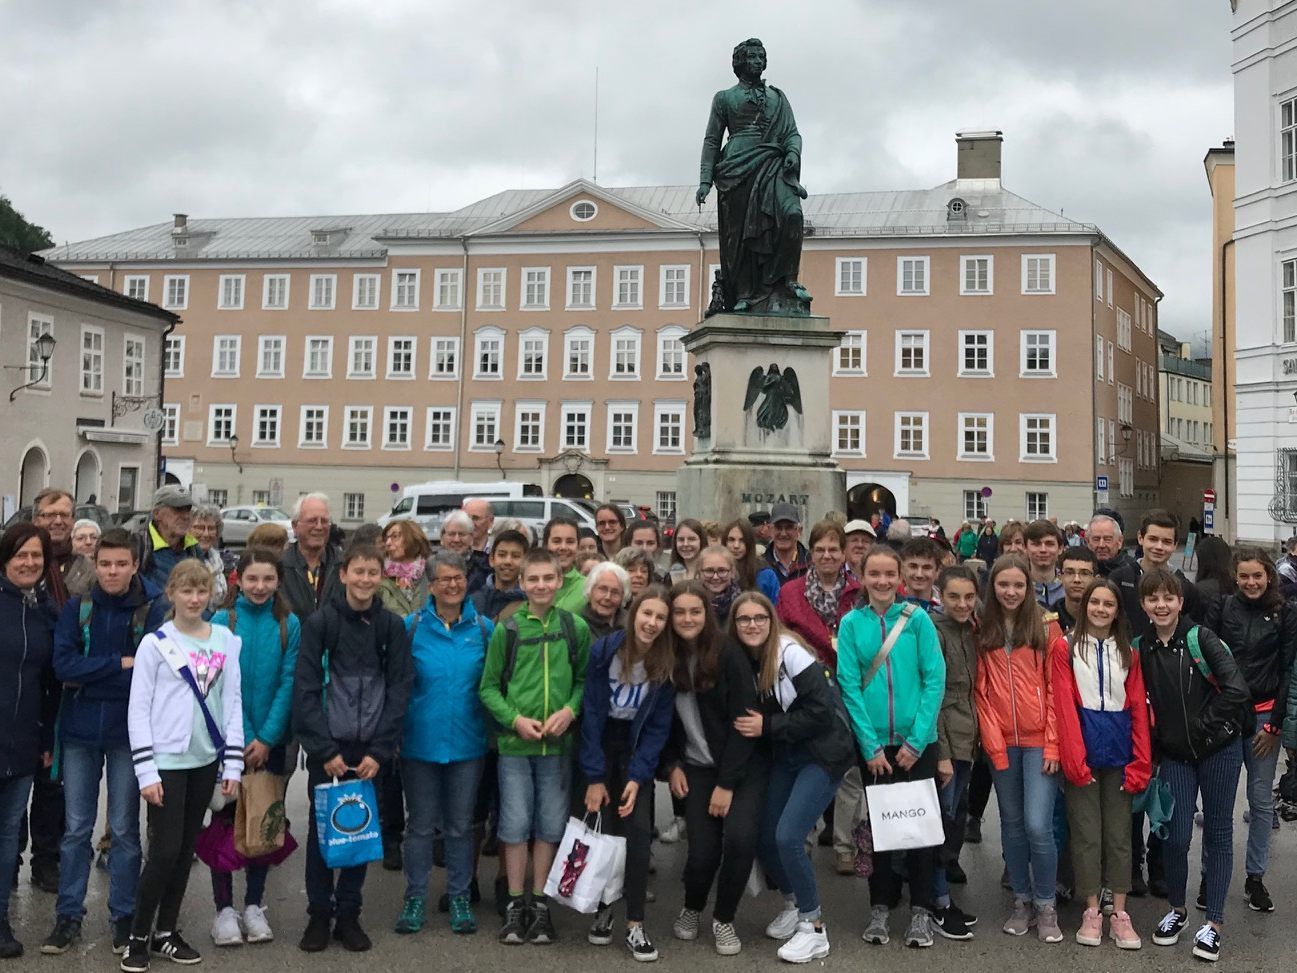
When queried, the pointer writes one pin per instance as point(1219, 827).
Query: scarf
point(406, 573)
point(825, 600)
point(721, 603)
point(62, 559)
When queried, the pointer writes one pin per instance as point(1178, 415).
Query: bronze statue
point(703, 400)
point(781, 390)
point(759, 195)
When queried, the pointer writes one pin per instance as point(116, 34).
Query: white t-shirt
point(626, 696)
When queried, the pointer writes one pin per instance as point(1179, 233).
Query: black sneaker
point(637, 941)
point(136, 959)
point(950, 924)
point(316, 937)
point(346, 930)
point(1169, 929)
point(121, 934)
point(955, 874)
point(1206, 943)
point(1201, 901)
point(1258, 896)
point(172, 947)
point(516, 919)
point(600, 933)
point(540, 931)
point(66, 932)
point(973, 831)
point(1138, 887)
point(10, 948)
point(967, 918)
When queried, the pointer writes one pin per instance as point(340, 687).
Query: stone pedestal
point(741, 468)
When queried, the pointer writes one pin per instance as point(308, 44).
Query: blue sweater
point(445, 721)
point(649, 730)
point(96, 687)
point(266, 669)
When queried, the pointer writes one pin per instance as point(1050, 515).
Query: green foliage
point(16, 232)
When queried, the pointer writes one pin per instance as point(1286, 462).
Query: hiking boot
point(1091, 931)
point(876, 931)
point(514, 930)
point(66, 932)
point(412, 917)
point(1047, 925)
point(949, 923)
point(784, 925)
point(686, 925)
point(136, 959)
point(1206, 943)
point(1257, 895)
point(316, 937)
point(225, 928)
point(462, 920)
point(171, 946)
point(122, 934)
point(540, 931)
point(346, 930)
point(1122, 931)
point(807, 944)
point(600, 933)
point(637, 941)
point(1169, 929)
point(725, 938)
point(256, 929)
point(919, 935)
point(1020, 919)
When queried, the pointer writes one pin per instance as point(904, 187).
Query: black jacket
point(1192, 719)
point(297, 588)
point(1263, 641)
point(733, 695)
point(815, 720)
point(370, 672)
point(28, 691)
point(1127, 578)
point(1123, 558)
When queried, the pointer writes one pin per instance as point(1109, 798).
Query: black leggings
point(173, 828)
point(637, 829)
point(721, 848)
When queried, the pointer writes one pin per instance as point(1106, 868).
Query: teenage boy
point(1157, 540)
point(920, 561)
point(1077, 567)
point(957, 745)
point(1044, 541)
point(560, 538)
point(532, 685)
point(501, 588)
point(94, 655)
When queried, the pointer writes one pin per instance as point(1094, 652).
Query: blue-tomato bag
point(346, 817)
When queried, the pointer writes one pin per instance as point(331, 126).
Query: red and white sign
point(1208, 496)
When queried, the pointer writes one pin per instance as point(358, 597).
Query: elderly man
point(165, 540)
point(1104, 537)
point(482, 514)
point(786, 553)
point(310, 565)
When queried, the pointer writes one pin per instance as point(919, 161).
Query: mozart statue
point(759, 193)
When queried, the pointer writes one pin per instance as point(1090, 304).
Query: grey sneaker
point(726, 938)
point(1020, 919)
point(686, 925)
point(1047, 925)
point(876, 931)
point(919, 935)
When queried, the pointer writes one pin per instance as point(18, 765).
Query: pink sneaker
point(1123, 932)
point(1091, 931)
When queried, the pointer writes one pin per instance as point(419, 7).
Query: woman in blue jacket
point(444, 743)
point(626, 717)
point(261, 616)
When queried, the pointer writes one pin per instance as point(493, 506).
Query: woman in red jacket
point(1104, 746)
point(814, 604)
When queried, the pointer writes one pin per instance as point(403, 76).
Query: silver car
point(238, 522)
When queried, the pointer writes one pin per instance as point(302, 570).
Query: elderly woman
point(205, 525)
point(607, 593)
point(457, 537)
point(85, 538)
point(717, 572)
point(814, 604)
point(639, 567)
point(405, 582)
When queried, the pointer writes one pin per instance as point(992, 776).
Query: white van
point(535, 512)
point(427, 503)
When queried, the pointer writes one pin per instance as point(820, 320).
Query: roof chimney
point(978, 154)
point(181, 225)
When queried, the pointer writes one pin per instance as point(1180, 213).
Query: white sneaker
point(225, 928)
point(673, 832)
point(256, 926)
point(784, 924)
point(806, 945)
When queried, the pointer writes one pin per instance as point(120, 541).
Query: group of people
point(497, 684)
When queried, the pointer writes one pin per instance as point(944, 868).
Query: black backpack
point(513, 639)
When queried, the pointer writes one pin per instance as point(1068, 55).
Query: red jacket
point(796, 613)
point(1015, 707)
point(1071, 742)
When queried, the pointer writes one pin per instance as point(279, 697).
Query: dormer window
point(180, 242)
point(956, 209)
point(584, 211)
point(320, 238)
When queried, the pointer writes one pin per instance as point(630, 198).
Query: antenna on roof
point(594, 176)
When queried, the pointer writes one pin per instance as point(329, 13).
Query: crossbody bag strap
point(880, 659)
point(180, 666)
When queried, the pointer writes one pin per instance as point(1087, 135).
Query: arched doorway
point(574, 486)
point(866, 499)
point(32, 475)
point(89, 472)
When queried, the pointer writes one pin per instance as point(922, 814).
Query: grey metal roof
point(990, 209)
point(35, 269)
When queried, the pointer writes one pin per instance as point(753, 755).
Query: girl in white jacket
point(186, 729)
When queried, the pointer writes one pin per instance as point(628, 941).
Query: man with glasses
point(787, 555)
point(482, 514)
point(458, 535)
point(310, 564)
point(1077, 567)
point(53, 509)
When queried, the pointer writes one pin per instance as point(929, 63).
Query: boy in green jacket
point(532, 685)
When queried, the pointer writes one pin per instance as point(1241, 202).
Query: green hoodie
point(541, 684)
point(572, 593)
point(899, 707)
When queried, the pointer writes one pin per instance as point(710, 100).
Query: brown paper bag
point(259, 819)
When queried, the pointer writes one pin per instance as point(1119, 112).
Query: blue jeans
point(950, 797)
point(1026, 798)
point(1216, 779)
point(797, 793)
point(1260, 800)
point(82, 767)
point(14, 793)
point(533, 798)
point(439, 796)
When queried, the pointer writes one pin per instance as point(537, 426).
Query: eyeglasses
point(715, 572)
point(1070, 573)
point(452, 581)
point(751, 620)
point(53, 515)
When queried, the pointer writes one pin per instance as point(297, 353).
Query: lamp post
point(499, 452)
point(234, 444)
point(44, 351)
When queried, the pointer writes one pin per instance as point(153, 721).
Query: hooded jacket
point(490, 600)
point(804, 711)
point(1263, 639)
point(1015, 705)
point(445, 721)
point(957, 734)
point(795, 611)
point(28, 690)
point(266, 668)
point(649, 730)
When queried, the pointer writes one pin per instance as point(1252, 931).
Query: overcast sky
point(116, 115)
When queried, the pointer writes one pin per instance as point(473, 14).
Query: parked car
point(427, 503)
point(238, 522)
point(535, 512)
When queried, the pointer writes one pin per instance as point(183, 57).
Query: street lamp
point(234, 444)
point(1126, 430)
point(44, 351)
point(499, 452)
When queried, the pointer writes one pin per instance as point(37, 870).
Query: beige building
point(535, 334)
point(1219, 164)
point(1185, 393)
point(82, 364)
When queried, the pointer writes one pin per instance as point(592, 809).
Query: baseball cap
point(759, 517)
point(860, 526)
point(785, 511)
point(171, 496)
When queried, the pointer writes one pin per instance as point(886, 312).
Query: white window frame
point(38, 325)
point(217, 371)
point(306, 357)
point(897, 451)
point(965, 261)
point(302, 441)
point(436, 346)
point(278, 412)
point(1107, 280)
point(636, 280)
point(926, 264)
point(97, 358)
point(481, 303)
point(477, 411)
point(1098, 358)
point(977, 510)
point(663, 303)
point(569, 336)
point(1024, 419)
point(410, 343)
point(1287, 139)
point(926, 347)
point(964, 370)
point(448, 277)
point(390, 412)
point(1125, 477)
point(1098, 279)
point(847, 344)
point(614, 408)
point(527, 407)
point(481, 335)
point(525, 287)
point(312, 303)
point(662, 410)
point(241, 280)
point(621, 333)
point(408, 289)
point(594, 289)
point(352, 344)
point(431, 423)
point(170, 431)
point(182, 280)
point(353, 506)
point(211, 422)
point(840, 264)
point(349, 414)
point(265, 291)
point(356, 280)
point(133, 387)
point(841, 418)
point(1023, 370)
point(1288, 301)
point(1112, 371)
point(1043, 512)
point(1112, 442)
point(133, 279)
point(566, 411)
point(263, 343)
point(533, 335)
point(672, 332)
point(174, 342)
point(1049, 262)
point(963, 421)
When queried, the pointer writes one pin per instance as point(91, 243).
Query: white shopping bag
point(584, 864)
point(617, 877)
point(905, 815)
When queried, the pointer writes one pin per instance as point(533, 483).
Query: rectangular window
point(1037, 354)
point(449, 285)
point(220, 424)
point(357, 420)
point(671, 354)
point(225, 356)
point(848, 433)
point(576, 425)
point(353, 506)
point(912, 434)
point(261, 498)
point(218, 498)
point(265, 425)
point(625, 354)
point(486, 425)
point(133, 365)
point(1107, 280)
point(274, 292)
point(1037, 437)
point(270, 356)
point(1288, 139)
point(319, 357)
point(623, 417)
point(850, 357)
point(1289, 301)
point(580, 288)
point(535, 288)
point(1125, 404)
point(529, 427)
point(850, 277)
point(175, 291)
point(92, 360)
point(675, 287)
point(1037, 506)
point(629, 290)
point(664, 502)
point(975, 435)
point(1098, 359)
point(323, 287)
point(1112, 371)
point(1098, 281)
point(976, 275)
point(911, 276)
point(231, 292)
point(669, 427)
point(1125, 477)
point(911, 353)
point(1037, 273)
point(441, 429)
point(400, 357)
point(533, 347)
point(974, 506)
point(364, 292)
point(487, 353)
point(976, 353)
point(405, 290)
point(313, 427)
point(396, 427)
point(1125, 334)
point(360, 356)
point(445, 358)
point(578, 349)
point(173, 356)
point(1112, 441)
point(170, 424)
point(38, 326)
point(490, 289)
point(137, 287)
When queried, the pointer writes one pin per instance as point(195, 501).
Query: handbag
point(259, 817)
point(346, 820)
point(583, 865)
point(905, 815)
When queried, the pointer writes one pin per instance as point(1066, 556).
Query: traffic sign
point(1208, 496)
point(1101, 483)
point(1208, 520)
point(986, 493)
